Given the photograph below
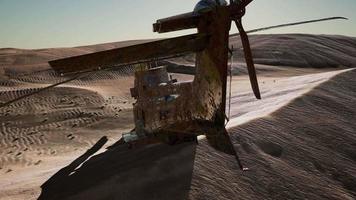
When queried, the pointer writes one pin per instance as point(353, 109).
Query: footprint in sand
point(31, 133)
point(271, 148)
point(38, 162)
point(71, 137)
point(9, 170)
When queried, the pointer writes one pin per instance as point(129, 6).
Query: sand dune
point(291, 153)
point(301, 50)
point(300, 143)
point(13, 61)
point(62, 121)
point(305, 150)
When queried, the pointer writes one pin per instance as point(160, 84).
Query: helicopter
point(168, 111)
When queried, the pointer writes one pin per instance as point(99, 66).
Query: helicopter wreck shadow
point(156, 171)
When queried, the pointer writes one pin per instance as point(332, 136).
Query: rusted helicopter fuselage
point(166, 110)
point(174, 111)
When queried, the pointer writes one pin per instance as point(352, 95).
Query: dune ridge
point(305, 150)
point(302, 50)
point(298, 50)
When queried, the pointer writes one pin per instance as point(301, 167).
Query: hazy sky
point(65, 23)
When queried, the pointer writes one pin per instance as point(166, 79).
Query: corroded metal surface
point(201, 100)
point(165, 108)
point(192, 19)
point(196, 107)
point(176, 23)
point(131, 54)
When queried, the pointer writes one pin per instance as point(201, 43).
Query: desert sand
point(299, 141)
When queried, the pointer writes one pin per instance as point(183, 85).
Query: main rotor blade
point(131, 54)
point(291, 24)
point(249, 60)
point(41, 90)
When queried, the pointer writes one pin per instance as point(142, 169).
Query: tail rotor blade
point(249, 60)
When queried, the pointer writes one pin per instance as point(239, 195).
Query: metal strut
point(230, 84)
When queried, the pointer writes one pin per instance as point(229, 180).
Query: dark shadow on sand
point(153, 172)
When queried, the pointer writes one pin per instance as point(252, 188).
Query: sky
point(32, 24)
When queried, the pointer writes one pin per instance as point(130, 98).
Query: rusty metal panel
point(131, 54)
point(181, 69)
point(176, 23)
point(184, 106)
point(191, 19)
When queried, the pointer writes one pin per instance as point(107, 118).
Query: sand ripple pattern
point(43, 124)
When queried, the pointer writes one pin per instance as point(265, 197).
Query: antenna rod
point(290, 24)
